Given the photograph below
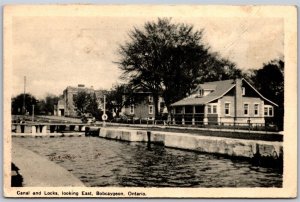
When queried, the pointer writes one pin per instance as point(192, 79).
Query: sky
point(56, 52)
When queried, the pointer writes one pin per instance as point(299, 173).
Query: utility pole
point(32, 113)
point(104, 104)
point(104, 116)
point(24, 109)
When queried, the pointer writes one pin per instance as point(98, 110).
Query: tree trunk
point(118, 113)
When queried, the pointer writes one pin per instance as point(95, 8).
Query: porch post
point(193, 118)
point(173, 111)
point(219, 112)
point(205, 120)
point(183, 112)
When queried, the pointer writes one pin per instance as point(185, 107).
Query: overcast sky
point(56, 52)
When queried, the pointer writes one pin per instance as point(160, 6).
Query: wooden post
point(33, 129)
point(183, 113)
point(205, 120)
point(44, 129)
point(193, 118)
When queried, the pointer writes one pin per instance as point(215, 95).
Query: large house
point(142, 105)
point(226, 102)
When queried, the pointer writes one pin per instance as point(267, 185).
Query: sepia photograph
point(150, 101)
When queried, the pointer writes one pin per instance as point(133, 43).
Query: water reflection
point(100, 162)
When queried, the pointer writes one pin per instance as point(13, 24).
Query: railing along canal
point(43, 128)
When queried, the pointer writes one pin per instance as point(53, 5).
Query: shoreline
point(44, 173)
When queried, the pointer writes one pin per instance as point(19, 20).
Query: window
point(208, 109)
point(131, 109)
point(256, 109)
point(211, 109)
point(246, 109)
point(268, 110)
point(150, 98)
point(243, 91)
point(150, 109)
point(227, 108)
point(214, 109)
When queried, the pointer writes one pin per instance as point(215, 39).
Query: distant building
point(65, 106)
point(59, 109)
point(225, 102)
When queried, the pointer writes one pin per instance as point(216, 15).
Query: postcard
point(150, 101)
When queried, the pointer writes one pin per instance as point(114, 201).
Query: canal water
point(99, 162)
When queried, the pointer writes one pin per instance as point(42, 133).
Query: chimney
point(238, 101)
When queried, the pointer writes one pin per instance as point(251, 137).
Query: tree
point(122, 95)
point(116, 99)
point(269, 80)
point(17, 104)
point(218, 68)
point(86, 103)
point(169, 59)
point(50, 101)
point(41, 107)
point(93, 107)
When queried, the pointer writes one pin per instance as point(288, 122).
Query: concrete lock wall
point(124, 134)
point(214, 145)
point(227, 146)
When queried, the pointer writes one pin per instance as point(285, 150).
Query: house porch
point(190, 115)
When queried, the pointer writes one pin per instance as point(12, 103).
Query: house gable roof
point(221, 88)
point(259, 93)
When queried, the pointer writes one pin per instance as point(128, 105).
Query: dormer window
point(200, 92)
point(243, 91)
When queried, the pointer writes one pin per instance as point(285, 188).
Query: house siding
point(241, 118)
point(141, 109)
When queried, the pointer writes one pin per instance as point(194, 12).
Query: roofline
point(251, 87)
point(175, 105)
point(259, 93)
point(213, 98)
point(222, 94)
point(233, 87)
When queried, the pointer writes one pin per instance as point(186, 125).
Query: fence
point(197, 121)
